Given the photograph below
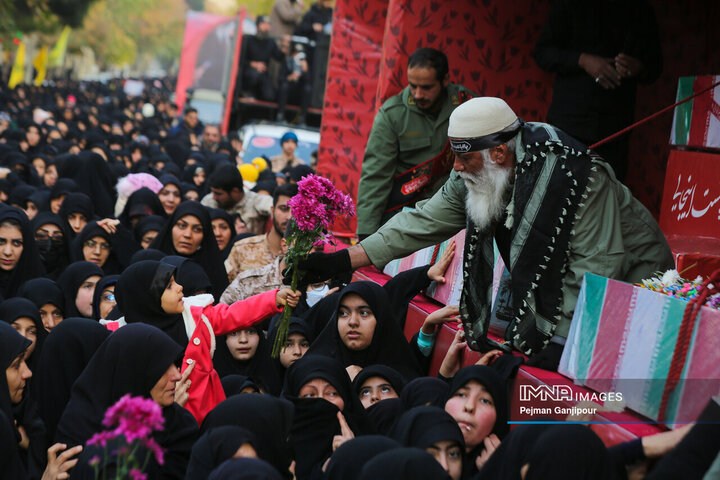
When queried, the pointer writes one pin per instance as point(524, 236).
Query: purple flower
point(318, 202)
point(94, 461)
point(136, 474)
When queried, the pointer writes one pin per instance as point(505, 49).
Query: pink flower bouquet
point(314, 209)
point(131, 422)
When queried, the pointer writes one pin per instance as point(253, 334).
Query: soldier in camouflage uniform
point(409, 130)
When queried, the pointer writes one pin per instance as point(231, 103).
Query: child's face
point(243, 344)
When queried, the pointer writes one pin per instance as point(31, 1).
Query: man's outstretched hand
point(320, 266)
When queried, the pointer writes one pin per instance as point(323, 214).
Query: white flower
point(671, 277)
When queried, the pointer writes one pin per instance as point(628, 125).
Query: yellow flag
point(40, 64)
point(57, 54)
point(18, 70)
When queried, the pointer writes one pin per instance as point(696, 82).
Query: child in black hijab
point(218, 445)
point(436, 432)
point(78, 285)
point(48, 298)
point(76, 211)
point(364, 332)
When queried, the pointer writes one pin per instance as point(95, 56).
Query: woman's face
point(56, 203)
point(51, 176)
point(17, 375)
point(172, 298)
point(164, 390)
point(31, 210)
point(375, 389)
point(245, 451)
point(319, 388)
point(39, 165)
point(107, 301)
point(187, 235)
point(356, 322)
point(96, 250)
point(77, 221)
point(473, 409)
point(243, 344)
point(169, 197)
point(199, 177)
point(11, 247)
point(83, 300)
point(295, 347)
point(192, 195)
point(222, 232)
point(26, 327)
point(51, 316)
point(147, 238)
point(448, 454)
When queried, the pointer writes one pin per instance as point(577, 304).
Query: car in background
point(263, 140)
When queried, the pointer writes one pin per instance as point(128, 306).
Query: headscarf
point(94, 178)
point(296, 325)
point(508, 459)
point(348, 460)
point(122, 246)
point(245, 469)
point(235, 384)
point(392, 376)
point(215, 447)
point(12, 344)
point(207, 255)
point(569, 452)
point(316, 423)
point(131, 360)
point(219, 213)
point(424, 426)
point(142, 202)
point(388, 347)
point(190, 275)
point(425, 391)
point(381, 417)
point(42, 291)
point(19, 307)
point(259, 368)
point(494, 384)
point(76, 202)
point(28, 265)
point(138, 294)
point(101, 285)
point(66, 353)
point(11, 463)
point(55, 255)
point(404, 464)
point(71, 280)
point(147, 224)
point(147, 254)
point(267, 417)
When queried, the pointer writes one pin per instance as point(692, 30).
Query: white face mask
point(317, 294)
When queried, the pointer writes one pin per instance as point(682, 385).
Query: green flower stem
point(284, 325)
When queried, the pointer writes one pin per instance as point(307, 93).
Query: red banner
point(203, 57)
point(352, 77)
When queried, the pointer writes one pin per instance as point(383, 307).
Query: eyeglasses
point(110, 297)
point(93, 244)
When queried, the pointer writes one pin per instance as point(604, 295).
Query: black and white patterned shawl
point(552, 178)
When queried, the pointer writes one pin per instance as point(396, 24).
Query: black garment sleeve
point(695, 453)
point(403, 287)
point(554, 51)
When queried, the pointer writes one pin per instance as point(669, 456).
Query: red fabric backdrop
point(352, 77)
point(489, 45)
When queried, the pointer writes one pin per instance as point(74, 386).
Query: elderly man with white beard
point(554, 209)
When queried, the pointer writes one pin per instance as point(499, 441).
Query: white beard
point(486, 189)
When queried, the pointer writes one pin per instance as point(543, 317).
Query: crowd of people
point(277, 60)
point(136, 258)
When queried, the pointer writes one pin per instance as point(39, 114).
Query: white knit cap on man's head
point(480, 116)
